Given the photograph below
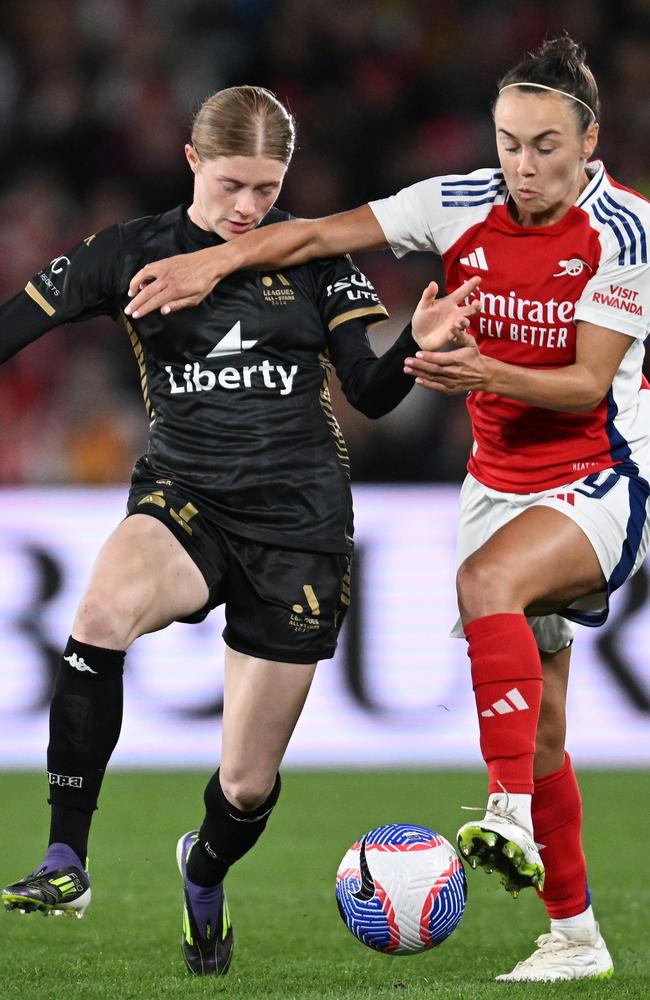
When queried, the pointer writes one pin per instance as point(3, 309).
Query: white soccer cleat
point(560, 956)
point(498, 843)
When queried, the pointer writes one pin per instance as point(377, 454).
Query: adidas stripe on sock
point(507, 681)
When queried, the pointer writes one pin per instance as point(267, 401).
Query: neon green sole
point(603, 975)
point(490, 851)
point(13, 902)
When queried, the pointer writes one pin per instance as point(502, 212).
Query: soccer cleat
point(560, 956)
point(58, 887)
point(207, 940)
point(498, 843)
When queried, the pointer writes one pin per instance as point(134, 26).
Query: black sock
point(226, 834)
point(85, 723)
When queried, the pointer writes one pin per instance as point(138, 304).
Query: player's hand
point(451, 372)
point(173, 283)
point(436, 322)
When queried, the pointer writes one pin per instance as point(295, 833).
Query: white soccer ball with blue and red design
point(401, 889)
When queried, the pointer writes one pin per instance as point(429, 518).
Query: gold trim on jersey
point(337, 434)
point(355, 314)
point(139, 357)
point(34, 294)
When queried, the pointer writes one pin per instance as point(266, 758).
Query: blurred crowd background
point(96, 97)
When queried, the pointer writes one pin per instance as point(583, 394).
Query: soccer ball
point(401, 889)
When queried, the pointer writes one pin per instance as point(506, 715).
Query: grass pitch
point(290, 941)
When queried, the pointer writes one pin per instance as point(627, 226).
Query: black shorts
point(281, 604)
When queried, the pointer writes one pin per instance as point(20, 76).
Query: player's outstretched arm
point(182, 281)
point(79, 284)
point(438, 322)
point(574, 388)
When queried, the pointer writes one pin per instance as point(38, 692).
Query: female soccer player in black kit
point(243, 499)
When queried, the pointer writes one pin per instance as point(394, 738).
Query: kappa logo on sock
point(79, 663)
point(65, 780)
point(516, 703)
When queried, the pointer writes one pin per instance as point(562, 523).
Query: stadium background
point(95, 99)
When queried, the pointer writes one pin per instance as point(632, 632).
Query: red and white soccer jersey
point(536, 283)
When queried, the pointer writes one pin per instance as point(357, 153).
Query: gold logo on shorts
point(299, 619)
point(155, 498)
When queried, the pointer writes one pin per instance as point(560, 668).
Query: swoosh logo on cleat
point(367, 890)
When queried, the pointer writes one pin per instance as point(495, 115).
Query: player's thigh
point(482, 513)
point(143, 578)
point(612, 510)
point(540, 560)
point(263, 700)
point(479, 516)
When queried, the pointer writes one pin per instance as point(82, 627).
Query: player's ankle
point(580, 925)
point(517, 805)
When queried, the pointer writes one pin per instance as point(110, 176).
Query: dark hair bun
point(559, 63)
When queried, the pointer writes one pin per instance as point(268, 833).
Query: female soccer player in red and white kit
point(554, 510)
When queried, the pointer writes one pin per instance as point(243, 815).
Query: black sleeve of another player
point(77, 285)
point(372, 385)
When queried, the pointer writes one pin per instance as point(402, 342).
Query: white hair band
point(554, 90)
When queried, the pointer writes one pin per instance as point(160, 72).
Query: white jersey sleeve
point(618, 295)
point(432, 214)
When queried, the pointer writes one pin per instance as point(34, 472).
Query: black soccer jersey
point(236, 388)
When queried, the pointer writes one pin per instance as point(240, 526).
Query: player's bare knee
point(246, 792)
point(102, 620)
point(478, 590)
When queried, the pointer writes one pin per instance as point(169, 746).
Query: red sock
point(507, 680)
point(557, 821)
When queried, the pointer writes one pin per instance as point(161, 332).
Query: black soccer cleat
point(52, 891)
point(207, 939)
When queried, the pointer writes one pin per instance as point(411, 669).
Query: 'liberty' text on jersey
point(236, 388)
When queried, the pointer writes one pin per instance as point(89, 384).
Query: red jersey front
point(536, 283)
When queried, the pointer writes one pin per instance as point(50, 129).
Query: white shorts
point(610, 508)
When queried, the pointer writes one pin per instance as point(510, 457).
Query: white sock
point(517, 804)
point(582, 925)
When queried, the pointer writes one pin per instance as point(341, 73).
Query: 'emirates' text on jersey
point(236, 388)
point(536, 283)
